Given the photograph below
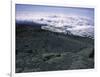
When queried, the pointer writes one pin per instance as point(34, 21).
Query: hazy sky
point(26, 10)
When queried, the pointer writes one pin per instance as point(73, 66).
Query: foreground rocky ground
point(41, 50)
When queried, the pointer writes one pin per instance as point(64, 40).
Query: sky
point(27, 11)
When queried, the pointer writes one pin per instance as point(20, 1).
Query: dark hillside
point(42, 50)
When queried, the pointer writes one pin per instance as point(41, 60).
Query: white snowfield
point(76, 25)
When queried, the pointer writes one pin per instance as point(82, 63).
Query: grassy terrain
point(41, 50)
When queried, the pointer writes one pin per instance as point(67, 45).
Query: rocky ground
point(41, 50)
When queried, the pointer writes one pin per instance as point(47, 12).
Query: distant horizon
point(28, 11)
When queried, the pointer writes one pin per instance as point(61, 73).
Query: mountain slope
point(36, 48)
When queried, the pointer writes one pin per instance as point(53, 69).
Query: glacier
point(76, 25)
